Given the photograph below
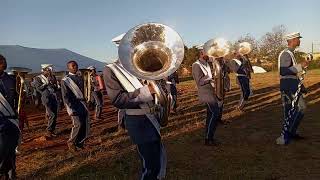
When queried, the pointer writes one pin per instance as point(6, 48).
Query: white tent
point(258, 69)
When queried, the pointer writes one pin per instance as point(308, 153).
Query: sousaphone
point(86, 75)
point(20, 73)
point(152, 52)
point(217, 48)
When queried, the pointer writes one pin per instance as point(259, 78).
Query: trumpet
point(152, 52)
point(20, 74)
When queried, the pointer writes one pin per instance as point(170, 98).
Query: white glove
point(207, 78)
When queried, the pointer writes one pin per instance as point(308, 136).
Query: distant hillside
point(33, 57)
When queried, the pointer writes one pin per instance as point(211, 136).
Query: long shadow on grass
point(116, 172)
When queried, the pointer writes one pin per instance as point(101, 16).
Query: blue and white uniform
point(243, 73)
point(72, 87)
point(9, 126)
point(47, 86)
point(289, 81)
point(202, 74)
point(134, 102)
point(173, 80)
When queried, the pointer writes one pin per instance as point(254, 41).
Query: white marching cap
point(91, 68)
point(117, 39)
point(44, 66)
point(292, 35)
point(200, 47)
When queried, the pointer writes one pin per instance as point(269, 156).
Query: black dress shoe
point(80, 146)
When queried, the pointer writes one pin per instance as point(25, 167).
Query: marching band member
point(72, 87)
point(96, 91)
point(289, 81)
point(173, 80)
point(35, 94)
point(46, 84)
point(9, 124)
point(212, 85)
point(243, 72)
point(136, 116)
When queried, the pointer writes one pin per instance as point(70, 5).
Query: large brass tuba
point(216, 49)
point(86, 75)
point(20, 74)
point(152, 52)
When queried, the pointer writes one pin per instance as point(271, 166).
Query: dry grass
point(248, 150)
point(316, 56)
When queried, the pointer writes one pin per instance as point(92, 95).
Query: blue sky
point(87, 27)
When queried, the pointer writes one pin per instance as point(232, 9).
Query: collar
point(71, 74)
point(291, 49)
point(202, 61)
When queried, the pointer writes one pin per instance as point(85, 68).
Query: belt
point(289, 77)
point(137, 112)
point(241, 75)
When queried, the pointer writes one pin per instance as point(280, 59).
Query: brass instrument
point(20, 74)
point(309, 57)
point(86, 75)
point(217, 49)
point(245, 48)
point(152, 52)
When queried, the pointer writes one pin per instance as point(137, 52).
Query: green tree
point(190, 56)
point(272, 43)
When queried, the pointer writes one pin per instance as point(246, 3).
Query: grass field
point(317, 56)
point(248, 149)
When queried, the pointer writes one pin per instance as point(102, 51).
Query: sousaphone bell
point(217, 48)
point(152, 52)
